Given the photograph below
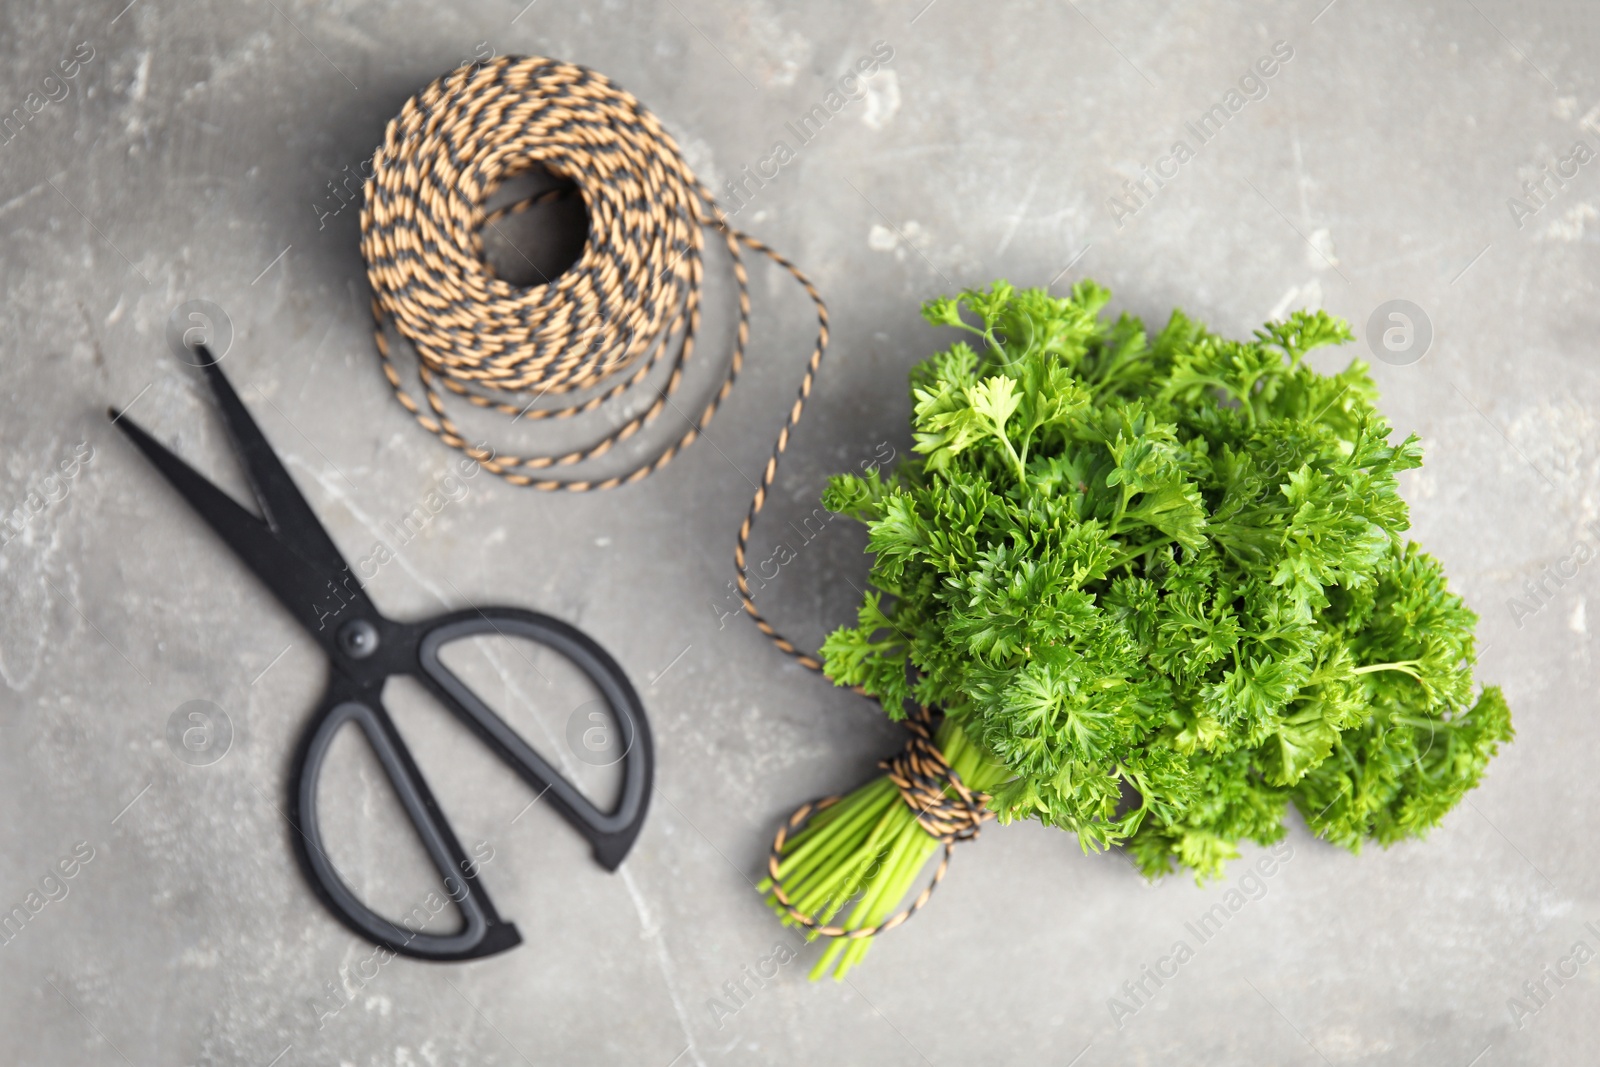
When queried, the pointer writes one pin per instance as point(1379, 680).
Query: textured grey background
point(196, 147)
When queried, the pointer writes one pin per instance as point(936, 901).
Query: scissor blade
point(297, 584)
point(285, 510)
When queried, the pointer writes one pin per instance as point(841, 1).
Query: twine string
point(579, 341)
point(923, 775)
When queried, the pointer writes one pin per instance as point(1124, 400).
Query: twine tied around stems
point(923, 775)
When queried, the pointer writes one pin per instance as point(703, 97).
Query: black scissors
point(294, 557)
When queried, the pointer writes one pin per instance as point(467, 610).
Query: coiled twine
point(570, 345)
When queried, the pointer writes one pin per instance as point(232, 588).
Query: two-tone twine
point(566, 347)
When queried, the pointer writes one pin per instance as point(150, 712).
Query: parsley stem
point(1016, 461)
point(1421, 724)
point(867, 853)
point(1407, 666)
point(1134, 553)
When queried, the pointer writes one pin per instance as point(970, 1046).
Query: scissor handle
point(415, 650)
point(482, 933)
point(610, 834)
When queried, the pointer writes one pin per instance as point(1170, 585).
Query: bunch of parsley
point(1160, 589)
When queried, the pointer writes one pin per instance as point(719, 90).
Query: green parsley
point(1160, 589)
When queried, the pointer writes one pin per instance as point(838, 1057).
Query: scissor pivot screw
point(358, 638)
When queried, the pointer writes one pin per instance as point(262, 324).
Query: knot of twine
point(922, 774)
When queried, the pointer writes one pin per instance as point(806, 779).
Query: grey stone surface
point(191, 158)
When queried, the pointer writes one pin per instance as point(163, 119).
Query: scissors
point(294, 557)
